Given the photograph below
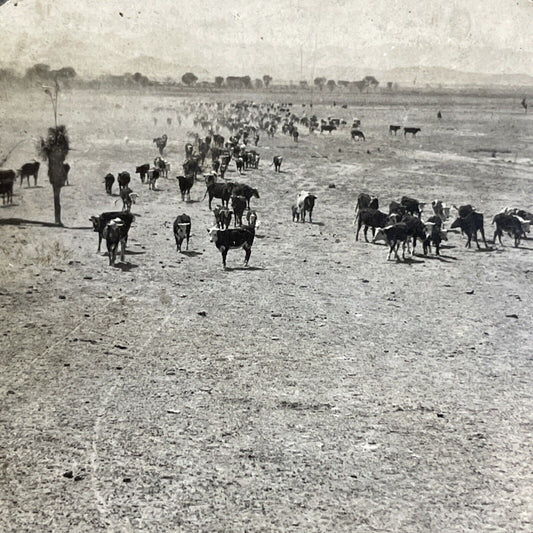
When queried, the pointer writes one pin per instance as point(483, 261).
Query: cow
point(370, 218)
point(192, 166)
point(153, 176)
point(239, 162)
point(276, 161)
point(470, 225)
point(357, 134)
point(295, 213)
point(123, 179)
point(415, 229)
point(222, 217)
point(251, 218)
point(413, 131)
point(109, 179)
point(163, 166)
point(508, 224)
point(412, 206)
point(305, 203)
point(142, 170)
point(161, 142)
point(394, 235)
point(128, 198)
point(327, 127)
point(246, 191)
point(435, 234)
point(238, 203)
point(219, 190)
point(185, 183)
point(7, 179)
point(182, 230)
point(100, 222)
point(115, 232)
point(228, 239)
point(440, 210)
point(27, 170)
point(397, 210)
point(364, 200)
point(393, 128)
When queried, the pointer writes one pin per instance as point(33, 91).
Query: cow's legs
point(248, 252)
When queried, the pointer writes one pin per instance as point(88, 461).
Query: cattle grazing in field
point(109, 179)
point(412, 131)
point(412, 206)
point(277, 163)
point(394, 235)
point(470, 225)
point(327, 127)
point(185, 183)
point(222, 217)
point(395, 129)
point(233, 238)
point(508, 224)
point(161, 142)
point(7, 179)
point(219, 190)
point(142, 170)
point(182, 230)
point(523, 216)
point(27, 170)
point(246, 191)
point(128, 198)
point(118, 233)
point(305, 203)
point(123, 179)
point(370, 218)
point(357, 134)
point(238, 203)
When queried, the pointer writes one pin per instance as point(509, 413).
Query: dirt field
point(321, 389)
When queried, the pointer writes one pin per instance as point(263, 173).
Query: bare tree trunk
point(57, 205)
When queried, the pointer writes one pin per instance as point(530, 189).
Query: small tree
point(304, 84)
point(246, 81)
point(331, 85)
point(258, 83)
point(370, 82)
point(189, 79)
point(219, 80)
point(266, 80)
point(320, 82)
point(54, 149)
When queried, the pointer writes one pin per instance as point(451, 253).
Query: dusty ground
point(321, 389)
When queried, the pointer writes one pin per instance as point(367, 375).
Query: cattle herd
point(209, 154)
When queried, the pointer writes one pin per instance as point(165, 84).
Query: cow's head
point(213, 234)
point(255, 193)
point(96, 222)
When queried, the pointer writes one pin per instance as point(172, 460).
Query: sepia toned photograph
point(266, 266)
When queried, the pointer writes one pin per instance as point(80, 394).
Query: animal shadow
point(131, 252)
point(125, 267)
point(232, 269)
point(191, 253)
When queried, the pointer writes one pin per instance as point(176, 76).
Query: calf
point(238, 203)
point(239, 162)
point(295, 213)
point(394, 236)
point(7, 178)
point(415, 229)
point(219, 190)
point(393, 128)
point(470, 225)
point(182, 230)
point(413, 131)
point(370, 218)
point(305, 203)
point(185, 183)
point(277, 163)
point(109, 180)
point(27, 170)
point(435, 234)
point(509, 224)
point(143, 171)
point(123, 179)
point(101, 221)
point(115, 232)
point(246, 191)
point(222, 217)
point(128, 198)
point(251, 218)
point(226, 240)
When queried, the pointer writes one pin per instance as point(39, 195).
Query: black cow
point(27, 170)
point(470, 225)
point(413, 131)
point(109, 180)
point(435, 234)
point(508, 224)
point(192, 166)
point(327, 127)
point(370, 218)
point(182, 230)
point(226, 240)
point(222, 217)
point(246, 191)
point(128, 198)
point(357, 134)
point(364, 200)
point(161, 142)
point(219, 190)
point(7, 179)
point(123, 179)
point(393, 128)
point(115, 232)
point(143, 171)
point(277, 163)
point(394, 236)
point(186, 183)
point(101, 221)
point(153, 176)
point(396, 209)
point(415, 229)
point(238, 203)
point(411, 205)
point(305, 204)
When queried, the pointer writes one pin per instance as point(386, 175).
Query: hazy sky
point(289, 39)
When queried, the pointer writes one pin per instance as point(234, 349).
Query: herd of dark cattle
point(212, 154)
